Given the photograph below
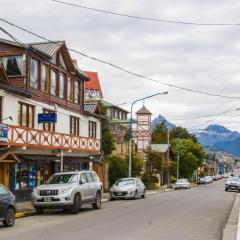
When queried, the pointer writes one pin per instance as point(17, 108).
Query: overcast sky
point(199, 57)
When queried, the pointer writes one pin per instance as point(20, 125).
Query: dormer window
point(13, 65)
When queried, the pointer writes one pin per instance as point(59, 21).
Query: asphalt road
point(198, 213)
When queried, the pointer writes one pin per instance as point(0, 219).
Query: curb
point(232, 227)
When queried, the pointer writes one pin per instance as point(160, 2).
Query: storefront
point(23, 172)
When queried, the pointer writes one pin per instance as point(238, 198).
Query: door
point(83, 187)
point(91, 187)
point(4, 174)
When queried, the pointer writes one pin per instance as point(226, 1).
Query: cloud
point(203, 58)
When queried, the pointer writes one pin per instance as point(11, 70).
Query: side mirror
point(82, 181)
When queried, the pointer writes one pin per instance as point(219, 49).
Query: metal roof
point(48, 48)
point(90, 107)
point(143, 110)
point(160, 147)
point(108, 104)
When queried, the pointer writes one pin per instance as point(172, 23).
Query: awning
point(9, 157)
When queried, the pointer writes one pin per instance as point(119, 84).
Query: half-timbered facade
point(40, 80)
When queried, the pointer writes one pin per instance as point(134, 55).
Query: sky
point(204, 58)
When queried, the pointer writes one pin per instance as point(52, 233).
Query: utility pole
point(168, 175)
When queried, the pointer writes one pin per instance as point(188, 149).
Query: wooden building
point(44, 125)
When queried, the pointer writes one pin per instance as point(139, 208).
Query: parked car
point(7, 207)
point(182, 183)
point(206, 180)
point(128, 188)
point(68, 190)
point(233, 183)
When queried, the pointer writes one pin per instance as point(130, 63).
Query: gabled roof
point(94, 82)
point(48, 48)
point(108, 104)
point(143, 110)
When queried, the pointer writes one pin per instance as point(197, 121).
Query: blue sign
point(47, 117)
point(3, 132)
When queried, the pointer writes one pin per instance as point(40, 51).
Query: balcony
point(19, 136)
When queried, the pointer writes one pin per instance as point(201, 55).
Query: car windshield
point(234, 179)
point(181, 180)
point(123, 182)
point(62, 178)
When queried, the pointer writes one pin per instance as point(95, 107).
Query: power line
point(124, 69)
point(143, 18)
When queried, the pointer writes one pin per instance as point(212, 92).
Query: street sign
point(47, 117)
point(3, 132)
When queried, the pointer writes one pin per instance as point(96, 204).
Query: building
point(93, 88)
point(142, 129)
point(45, 126)
point(119, 124)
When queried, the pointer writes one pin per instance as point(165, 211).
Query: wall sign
point(47, 117)
point(3, 132)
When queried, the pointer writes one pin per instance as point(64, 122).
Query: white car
point(182, 183)
point(128, 188)
point(68, 190)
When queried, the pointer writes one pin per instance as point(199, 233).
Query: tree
point(137, 164)
point(191, 156)
point(107, 137)
point(159, 134)
point(118, 168)
point(179, 132)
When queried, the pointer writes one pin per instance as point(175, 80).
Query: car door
point(4, 201)
point(91, 187)
point(139, 187)
point(83, 187)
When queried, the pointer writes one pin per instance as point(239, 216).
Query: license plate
point(47, 199)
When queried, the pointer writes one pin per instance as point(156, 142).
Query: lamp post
point(130, 130)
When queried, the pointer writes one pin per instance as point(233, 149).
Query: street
point(198, 213)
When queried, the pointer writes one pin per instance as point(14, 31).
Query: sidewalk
point(25, 209)
point(232, 227)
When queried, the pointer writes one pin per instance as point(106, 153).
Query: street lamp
point(130, 130)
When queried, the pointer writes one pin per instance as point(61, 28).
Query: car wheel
point(135, 195)
point(226, 189)
point(39, 211)
point(98, 201)
point(9, 218)
point(76, 204)
point(144, 193)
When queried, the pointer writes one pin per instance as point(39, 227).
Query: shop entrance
point(6, 172)
point(7, 166)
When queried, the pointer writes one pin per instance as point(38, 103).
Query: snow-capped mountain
point(215, 136)
point(161, 119)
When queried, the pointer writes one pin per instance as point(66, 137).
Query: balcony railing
point(30, 137)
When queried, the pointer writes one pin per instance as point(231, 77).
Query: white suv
point(68, 190)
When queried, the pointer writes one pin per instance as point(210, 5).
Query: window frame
point(37, 72)
point(74, 125)
point(92, 129)
point(5, 67)
point(20, 114)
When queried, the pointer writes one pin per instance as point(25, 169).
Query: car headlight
point(65, 190)
point(36, 191)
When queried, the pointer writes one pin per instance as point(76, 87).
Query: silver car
point(68, 190)
point(128, 188)
point(182, 183)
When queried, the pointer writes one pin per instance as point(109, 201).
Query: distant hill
point(219, 138)
point(161, 119)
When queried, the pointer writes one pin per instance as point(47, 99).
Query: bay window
point(13, 65)
point(76, 92)
point(44, 77)
point(70, 89)
point(54, 82)
point(34, 73)
point(62, 86)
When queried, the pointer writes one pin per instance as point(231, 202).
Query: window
point(89, 177)
point(34, 73)
point(92, 131)
point(83, 177)
point(62, 86)
point(61, 61)
point(25, 115)
point(3, 191)
point(95, 177)
point(13, 65)
point(70, 89)
point(44, 77)
point(76, 92)
point(74, 125)
point(48, 126)
point(53, 82)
